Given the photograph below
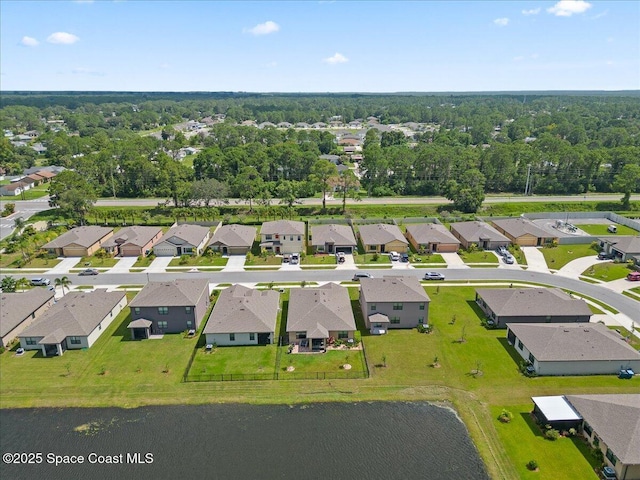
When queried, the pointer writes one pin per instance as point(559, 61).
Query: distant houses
point(431, 237)
point(524, 232)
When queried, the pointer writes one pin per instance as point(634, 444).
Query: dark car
point(88, 271)
point(433, 276)
point(606, 256)
point(404, 258)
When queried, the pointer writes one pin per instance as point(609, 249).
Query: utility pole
point(527, 187)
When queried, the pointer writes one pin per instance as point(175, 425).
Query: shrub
point(572, 432)
point(375, 257)
point(552, 434)
point(184, 259)
point(532, 465)
point(505, 416)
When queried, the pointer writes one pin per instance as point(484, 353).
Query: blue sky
point(319, 46)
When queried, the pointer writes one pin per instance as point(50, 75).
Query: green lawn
point(199, 261)
point(567, 458)
point(380, 258)
point(600, 230)
point(330, 361)
point(31, 194)
point(144, 261)
point(7, 260)
point(96, 262)
point(478, 257)
point(608, 271)
point(319, 259)
point(228, 360)
point(558, 257)
point(417, 259)
point(518, 254)
point(266, 260)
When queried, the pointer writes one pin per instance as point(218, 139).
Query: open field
point(600, 230)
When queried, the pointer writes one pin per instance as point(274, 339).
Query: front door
point(263, 339)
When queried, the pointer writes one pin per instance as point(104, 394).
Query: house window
point(33, 315)
point(252, 337)
point(420, 320)
point(301, 335)
point(187, 309)
point(267, 237)
point(587, 429)
point(397, 306)
point(395, 320)
point(163, 324)
point(299, 238)
point(31, 341)
point(343, 335)
point(74, 340)
point(163, 310)
point(421, 306)
point(612, 458)
point(596, 441)
point(371, 247)
point(291, 238)
point(520, 344)
point(232, 337)
point(137, 310)
point(373, 307)
point(189, 323)
point(532, 359)
point(548, 319)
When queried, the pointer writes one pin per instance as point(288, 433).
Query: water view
point(330, 440)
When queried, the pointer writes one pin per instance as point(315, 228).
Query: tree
point(22, 284)
point(19, 224)
point(249, 184)
point(8, 284)
point(627, 182)
point(73, 194)
point(209, 190)
point(8, 209)
point(288, 193)
point(321, 174)
point(63, 282)
point(349, 185)
point(468, 195)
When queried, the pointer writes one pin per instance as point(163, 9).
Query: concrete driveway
point(123, 265)
point(453, 260)
point(235, 263)
point(159, 265)
point(535, 259)
point(349, 263)
point(575, 267)
point(64, 265)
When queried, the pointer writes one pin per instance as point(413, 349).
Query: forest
point(461, 145)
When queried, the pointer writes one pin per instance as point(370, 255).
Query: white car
point(40, 282)
point(509, 259)
point(394, 256)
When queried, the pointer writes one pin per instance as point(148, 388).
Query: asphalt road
point(24, 209)
point(621, 303)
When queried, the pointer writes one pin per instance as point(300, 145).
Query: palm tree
point(19, 224)
point(22, 284)
point(63, 282)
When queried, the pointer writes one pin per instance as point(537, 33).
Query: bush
point(552, 434)
point(505, 416)
point(532, 465)
point(375, 257)
point(184, 259)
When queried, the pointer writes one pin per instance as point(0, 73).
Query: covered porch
point(556, 411)
point(315, 341)
point(140, 329)
point(54, 344)
point(378, 324)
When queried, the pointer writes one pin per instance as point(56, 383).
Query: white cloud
point(29, 41)
point(62, 38)
point(566, 8)
point(264, 28)
point(533, 11)
point(501, 22)
point(336, 58)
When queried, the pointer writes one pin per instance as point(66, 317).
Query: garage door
point(344, 249)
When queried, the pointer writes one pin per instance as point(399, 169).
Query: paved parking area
point(575, 267)
point(64, 265)
point(453, 260)
point(235, 263)
point(123, 265)
point(349, 263)
point(159, 265)
point(535, 259)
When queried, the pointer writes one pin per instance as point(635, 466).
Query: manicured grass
point(330, 361)
point(266, 260)
point(607, 271)
point(518, 254)
point(96, 262)
point(319, 260)
point(600, 230)
point(7, 260)
point(478, 257)
point(523, 439)
point(144, 261)
point(199, 261)
point(417, 258)
point(558, 257)
point(125, 287)
point(632, 339)
point(31, 194)
point(595, 310)
point(371, 258)
point(635, 290)
point(260, 269)
point(228, 360)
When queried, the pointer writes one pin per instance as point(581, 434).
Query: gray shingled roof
point(476, 231)
point(624, 243)
point(15, 307)
point(574, 341)
point(332, 233)
point(425, 233)
point(140, 323)
point(380, 234)
point(532, 302)
point(393, 289)
point(616, 420)
point(234, 236)
point(326, 308)
point(75, 314)
point(83, 236)
point(517, 227)
point(282, 227)
point(244, 310)
point(134, 235)
point(178, 293)
point(192, 234)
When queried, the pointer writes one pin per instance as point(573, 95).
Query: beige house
point(523, 232)
point(79, 241)
point(19, 310)
point(243, 316)
point(318, 315)
point(183, 239)
point(283, 236)
point(134, 241)
point(481, 234)
point(233, 239)
point(431, 237)
point(382, 238)
point(333, 238)
point(76, 321)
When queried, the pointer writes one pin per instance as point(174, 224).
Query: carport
point(140, 328)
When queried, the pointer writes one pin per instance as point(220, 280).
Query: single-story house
point(243, 316)
point(134, 241)
point(79, 241)
point(431, 237)
point(317, 315)
point(333, 238)
point(169, 307)
point(233, 239)
point(522, 231)
point(402, 300)
point(609, 422)
point(623, 247)
point(382, 238)
point(531, 305)
point(283, 236)
point(14, 189)
point(183, 239)
point(482, 234)
point(19, 310)
point(572, 349)
point(76, 321)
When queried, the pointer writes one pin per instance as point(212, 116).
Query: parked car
point(394, 256)
point(634, 277)
point(502, 250)
point(88, 271)
point(40, 282)
point(609, 473)
point(358, 276)
point(433, 276)
point(509, 259)
point(340, 257)
point(606, 256)
point(404, 258)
